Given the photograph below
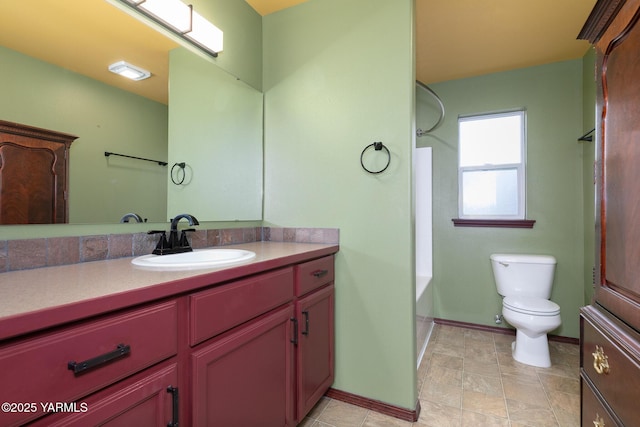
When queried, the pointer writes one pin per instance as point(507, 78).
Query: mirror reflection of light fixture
point(182, 20)
point(129, 71)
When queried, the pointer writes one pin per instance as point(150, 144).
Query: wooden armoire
point(610, 326)
point(34, 175)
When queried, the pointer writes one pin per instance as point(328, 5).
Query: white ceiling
point(454, 38)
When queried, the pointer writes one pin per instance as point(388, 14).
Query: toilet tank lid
point(524, 258)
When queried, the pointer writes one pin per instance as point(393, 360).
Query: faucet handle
point(183, 237)
point(163, 245)
point(156, 232)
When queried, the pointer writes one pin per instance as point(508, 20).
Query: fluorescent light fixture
point(172, 12)
point(205, 33)
point(129, 71)
point(182, 20)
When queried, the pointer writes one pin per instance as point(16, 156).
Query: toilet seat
point(531, 305)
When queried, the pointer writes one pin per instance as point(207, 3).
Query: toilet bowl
point(524, 282)
point(533, 318)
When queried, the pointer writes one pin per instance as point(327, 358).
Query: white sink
point(199, 258)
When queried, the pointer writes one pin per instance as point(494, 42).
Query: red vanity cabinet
point(144, 400)
point(253, 350)
point(315, 314)
point(260, 365)
point(245, 378)
point(243, 373)
point(66, 365)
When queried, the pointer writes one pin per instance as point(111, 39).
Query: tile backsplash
point(46, 252)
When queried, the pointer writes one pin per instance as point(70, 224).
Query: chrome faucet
point(131, 215)
point(175, 245)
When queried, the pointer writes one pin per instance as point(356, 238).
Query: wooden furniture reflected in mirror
point(34, 174)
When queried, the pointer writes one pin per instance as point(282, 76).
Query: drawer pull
point(79, 367)
point(598, 422)
point(305, 314)
point(600, 361)
point(319, 273)
point(294, 340)
point(174, 406)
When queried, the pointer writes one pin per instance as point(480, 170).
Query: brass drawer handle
point(600, 362)
point(598, 422)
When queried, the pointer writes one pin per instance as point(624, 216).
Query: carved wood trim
point(601, 16)
point(34, 132)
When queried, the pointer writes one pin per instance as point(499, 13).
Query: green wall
point(338, 76)
point(104, 118)
point(464, 288)
point(215, 127)
point(242, 27)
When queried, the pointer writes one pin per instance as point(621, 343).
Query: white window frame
point(519, 167)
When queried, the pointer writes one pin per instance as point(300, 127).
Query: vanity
point(109, 342)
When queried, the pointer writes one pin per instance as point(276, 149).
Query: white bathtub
point(424, 314)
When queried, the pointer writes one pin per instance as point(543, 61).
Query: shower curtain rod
point(421, 132)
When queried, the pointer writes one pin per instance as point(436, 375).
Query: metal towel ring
point(378, 146)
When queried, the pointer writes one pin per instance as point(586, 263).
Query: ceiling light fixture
point(129, 71)
point(180, 19)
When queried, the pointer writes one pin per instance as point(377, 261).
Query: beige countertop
point(34, 299)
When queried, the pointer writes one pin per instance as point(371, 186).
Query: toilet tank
point(526, 275)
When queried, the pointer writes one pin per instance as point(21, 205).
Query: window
point(491, 168)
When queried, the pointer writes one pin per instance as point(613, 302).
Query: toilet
point(525, 281)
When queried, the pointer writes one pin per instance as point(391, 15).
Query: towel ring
point(378, 146)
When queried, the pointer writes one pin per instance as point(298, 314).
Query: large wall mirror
point(54, 76)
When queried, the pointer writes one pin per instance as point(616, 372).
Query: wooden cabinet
point(246, 378)
point(254, 351)
point(315, 348)
point(34, 175)
point(258, 347)
point(314, 311)
point(66, 365)
point(145, 400)
point(610, 337)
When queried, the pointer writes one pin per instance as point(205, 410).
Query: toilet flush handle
point(503, 264)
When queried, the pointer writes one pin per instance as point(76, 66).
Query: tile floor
point(468, 378)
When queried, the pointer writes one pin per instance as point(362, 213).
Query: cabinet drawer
point(592, 409)
point(143, 400)
point(617, 378)
point(314, 274)
point(41, 369)
point(219, 309)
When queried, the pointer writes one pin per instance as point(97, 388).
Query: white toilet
point(525, 283)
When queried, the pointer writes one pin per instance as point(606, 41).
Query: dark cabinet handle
point(79, 367)
point(305, 314)
point(319, 273)
point(294, 340)
point(174, 405)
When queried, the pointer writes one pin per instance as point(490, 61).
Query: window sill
point(495, 223)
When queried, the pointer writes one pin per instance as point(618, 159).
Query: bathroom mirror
point(49, 84)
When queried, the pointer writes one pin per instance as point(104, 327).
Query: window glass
point(492, 166)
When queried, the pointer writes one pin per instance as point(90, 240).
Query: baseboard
point(498, 330)
point(375, 405)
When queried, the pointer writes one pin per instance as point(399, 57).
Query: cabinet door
point(245, 378)
point(33, 175)
point(315, 348)
point(618, 171)
point(146, 400)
